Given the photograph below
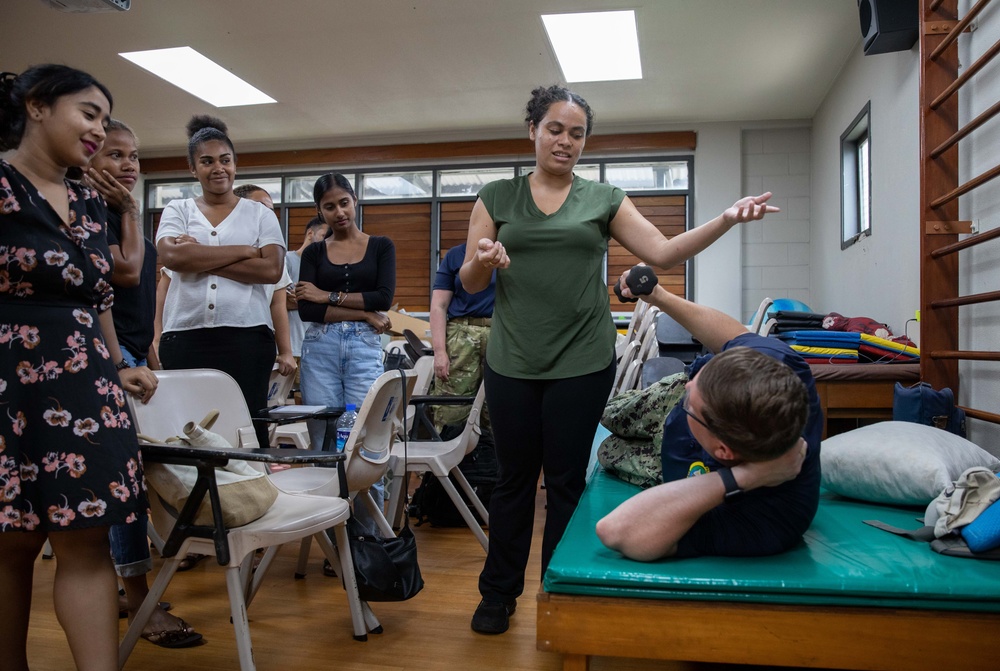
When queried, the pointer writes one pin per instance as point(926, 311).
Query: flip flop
point(190, 562)
point(174, 638)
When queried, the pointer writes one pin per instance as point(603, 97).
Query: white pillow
point(903, 463)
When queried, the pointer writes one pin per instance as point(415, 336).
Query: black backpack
point(431, 503)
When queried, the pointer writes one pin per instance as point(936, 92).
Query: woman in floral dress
point(69, 461)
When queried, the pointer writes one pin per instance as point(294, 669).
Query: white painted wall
point(879, 276)
point(776, 249)
point(980, 267)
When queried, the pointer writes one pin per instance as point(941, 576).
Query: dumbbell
point(641, 281)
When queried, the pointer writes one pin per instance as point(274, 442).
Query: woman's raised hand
point(118, 197)
point(491, 254)
point(751, 208)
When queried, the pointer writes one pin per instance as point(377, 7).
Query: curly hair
point(203, 128)
point(542, 98)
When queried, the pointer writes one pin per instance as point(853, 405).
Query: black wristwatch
point(334, 297)
point(123, 364)
point(733, 490)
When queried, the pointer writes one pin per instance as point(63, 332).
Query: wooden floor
point(305, 625)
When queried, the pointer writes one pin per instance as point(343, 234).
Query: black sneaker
point(493, 617)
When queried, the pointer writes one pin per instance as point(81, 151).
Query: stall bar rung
point(967, 355)
point(935, 4)
point(968, 186)
point(965, 76)
point(966, 129)
point(972, 241)
point(971, 299)
point(956, 31)
point(981, 414)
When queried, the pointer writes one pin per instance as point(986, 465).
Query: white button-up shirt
point(204, 300)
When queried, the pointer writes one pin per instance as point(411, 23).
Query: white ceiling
point(354, 72)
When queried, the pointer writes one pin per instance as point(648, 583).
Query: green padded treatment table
point(849, 596)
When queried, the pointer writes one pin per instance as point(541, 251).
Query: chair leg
point(260, 572)
point(238, 610)
point(380, 521)
point(155, 538)
point(151, 601)
point(463, 509)
point(359, 618)
point(300, 569)
point(471, 493)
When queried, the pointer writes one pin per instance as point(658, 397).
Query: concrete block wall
point(776, 250)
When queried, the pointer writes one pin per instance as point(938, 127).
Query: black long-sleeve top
point(374, 277)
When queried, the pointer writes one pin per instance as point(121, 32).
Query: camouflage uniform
point(635, 419)
point(466, 345)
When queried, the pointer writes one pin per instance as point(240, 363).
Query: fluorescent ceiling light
point(186, 68)
point(595, 46)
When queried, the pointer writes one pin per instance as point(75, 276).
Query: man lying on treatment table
point(749, 427)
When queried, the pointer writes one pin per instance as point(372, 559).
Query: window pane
point(864, 177)
point(648, 176)
point(300, 188)
point(161, 194)
point(385, 185)
point(468, 182)
point(270, 184)
point(586, 171)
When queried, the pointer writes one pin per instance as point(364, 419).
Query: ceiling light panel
point(201, 77)
point(595, 46)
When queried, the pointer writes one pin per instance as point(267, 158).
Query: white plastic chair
point(423, 374)
point(296, 433)
point(186, 395)
point(442, 459)
point(630, 331)
point(368, 450)
point(630, 356)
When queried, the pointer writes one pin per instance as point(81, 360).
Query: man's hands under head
point(771, 473)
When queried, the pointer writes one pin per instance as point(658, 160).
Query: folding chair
point(296, 433)
point(184, 395)
point(442, 459)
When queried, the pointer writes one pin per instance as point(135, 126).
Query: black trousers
point(246, 354)
point(537, 425)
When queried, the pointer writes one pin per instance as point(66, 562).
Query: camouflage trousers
point(466, 346)
point(635, 419)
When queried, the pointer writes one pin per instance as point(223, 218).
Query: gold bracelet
point(341, 297)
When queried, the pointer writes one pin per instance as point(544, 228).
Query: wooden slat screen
point(669, 215)
point(409, 227)
point(298, 217)
point(454, 224)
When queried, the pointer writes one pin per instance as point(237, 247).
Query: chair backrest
point(188, 395)
point(631, 355)
point(417, 346)
point(659, 367)
point(630, 379)
point(379, 418)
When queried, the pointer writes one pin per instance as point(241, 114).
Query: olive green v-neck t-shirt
point(552, 317)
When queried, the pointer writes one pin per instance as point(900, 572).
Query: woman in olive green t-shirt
point(550, 359)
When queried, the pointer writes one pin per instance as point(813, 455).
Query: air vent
point(89, 6)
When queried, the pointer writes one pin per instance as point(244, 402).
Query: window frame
point(856, 179)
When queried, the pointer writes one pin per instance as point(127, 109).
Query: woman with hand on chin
point(69, 456)
point(346, 282)
point(225, 254)
point(550, 359)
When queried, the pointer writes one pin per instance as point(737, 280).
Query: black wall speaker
point(888, 25)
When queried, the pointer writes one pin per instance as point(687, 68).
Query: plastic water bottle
point(344, 425)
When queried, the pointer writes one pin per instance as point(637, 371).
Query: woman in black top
point(345, 284)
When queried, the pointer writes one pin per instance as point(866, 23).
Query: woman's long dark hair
point(44, 83)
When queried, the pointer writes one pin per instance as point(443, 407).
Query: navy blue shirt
point(766, 520)
point(463, 304)
point(135, 307)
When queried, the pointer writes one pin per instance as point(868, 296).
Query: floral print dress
point(69, 458)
